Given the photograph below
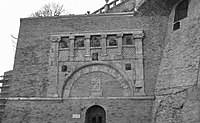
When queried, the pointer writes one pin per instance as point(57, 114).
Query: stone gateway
point(131, 61)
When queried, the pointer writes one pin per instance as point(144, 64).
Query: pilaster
point(103, 45)
point(139, 84)
point(87, 46)
point(71, 48)
point(119, 39)
point(53, 64)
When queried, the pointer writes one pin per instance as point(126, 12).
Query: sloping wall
point(177, 85)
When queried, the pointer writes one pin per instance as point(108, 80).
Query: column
point(71, 48)
point(53, 65)
point(139, 84)
point(106, 8)
point(87, 46)
point(114, 3)
point(119, 39)
point(103, 44)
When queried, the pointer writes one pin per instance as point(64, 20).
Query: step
point(4, 94)
point(3, 101)
point(5, 86)
point(2, 111)
point(2, 106)
point(4, 80)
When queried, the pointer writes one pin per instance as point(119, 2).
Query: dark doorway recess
point(95, 114)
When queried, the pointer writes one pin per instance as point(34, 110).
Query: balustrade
point(108, 6)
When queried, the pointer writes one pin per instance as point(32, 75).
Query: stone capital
point(119, 35)
point(71, 37)
point(138, 36)
point(103, 36)
point(55, 38)
point(87, 37)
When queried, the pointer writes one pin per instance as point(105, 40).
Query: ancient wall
point(170, 60)
point(32, 76)
point(32, 57)
point(117, 110)
point(177, 86)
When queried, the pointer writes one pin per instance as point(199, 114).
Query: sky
point(13, 10)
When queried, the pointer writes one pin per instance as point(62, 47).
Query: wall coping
point(135, 32)
point(75, 98)
point(82, 15)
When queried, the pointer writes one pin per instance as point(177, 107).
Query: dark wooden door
point(95, 114)
point(96, 119)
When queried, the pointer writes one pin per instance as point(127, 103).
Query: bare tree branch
point(13, 37)
point(48, 10)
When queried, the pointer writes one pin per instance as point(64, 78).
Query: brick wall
point(117, 110)
point(31, 61)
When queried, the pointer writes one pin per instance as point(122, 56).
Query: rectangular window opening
point(128, 66)
point(111, 40)
point(64, 42)
point(176, 26)
point(95, 57)
point(95, 41)
point(127, 39)
point(64, 68)
point(79, 41)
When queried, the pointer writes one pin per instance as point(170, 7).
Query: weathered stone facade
point(133, 67)
point(178, 79)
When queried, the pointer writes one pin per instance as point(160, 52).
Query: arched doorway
point(95, 114)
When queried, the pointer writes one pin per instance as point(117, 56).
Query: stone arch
point(96, 113)
point(122, 78)
point(181, 10)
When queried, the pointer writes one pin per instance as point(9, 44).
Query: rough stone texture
point(177, 84)
point(156, 7)
point(180, 107)
point(117, 111)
